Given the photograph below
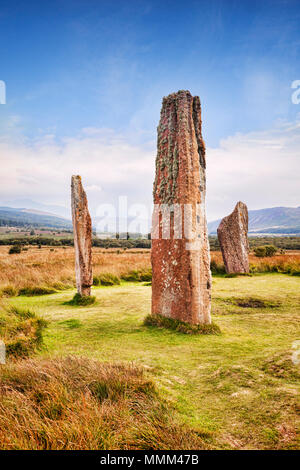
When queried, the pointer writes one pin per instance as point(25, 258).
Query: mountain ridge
point(273, 220)
point(22, 216)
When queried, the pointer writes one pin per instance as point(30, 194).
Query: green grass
point(159, 321)
point(239, 389)
point(81, 300)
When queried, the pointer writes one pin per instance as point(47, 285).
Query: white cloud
point(93, 187)
point(259, 168)
point(109, 166)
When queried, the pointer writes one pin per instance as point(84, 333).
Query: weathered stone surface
point(233, 239)
point(82, 228)
point(181, 278)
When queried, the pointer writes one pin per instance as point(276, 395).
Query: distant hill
point(275, 220)
point(21, 217)
point(59, 211)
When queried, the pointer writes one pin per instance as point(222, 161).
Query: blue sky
point(105, 65)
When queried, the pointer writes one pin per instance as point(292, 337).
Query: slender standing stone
point(2, 352)
point(233, 239)
point(181, 278)
point(82, 228)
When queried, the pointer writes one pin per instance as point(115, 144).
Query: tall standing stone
point(82, 228)
point(233, 239)
point(181, 278)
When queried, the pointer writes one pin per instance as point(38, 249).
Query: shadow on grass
point(71, 323)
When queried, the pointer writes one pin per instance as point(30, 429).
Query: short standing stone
point(181, 278)
point(2, 352)
point(233, 239)
point(82, 228)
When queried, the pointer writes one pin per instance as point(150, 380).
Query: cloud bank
point(259, 168)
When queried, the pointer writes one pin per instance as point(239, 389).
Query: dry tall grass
point(54, 268)
point(287, 263)
point(82, 404)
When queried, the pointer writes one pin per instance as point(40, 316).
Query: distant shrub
point(266, 250)
point(180, 326)
point(15, 249)
point(260, 251)
point(270, 250)
point(81, 300)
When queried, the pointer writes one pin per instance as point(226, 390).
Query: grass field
point(53, 268)
point(237, 390)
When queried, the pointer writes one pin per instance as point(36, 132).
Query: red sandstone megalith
point(181, 278)
point(233, 239)
point(82, 228)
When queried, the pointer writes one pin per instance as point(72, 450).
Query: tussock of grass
point(21, 331)
point(82, 404)
point(138, 276)
point(106, 279)
point(8, 291)
point(81, 300)
point(31, 291)
point(164, 322)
